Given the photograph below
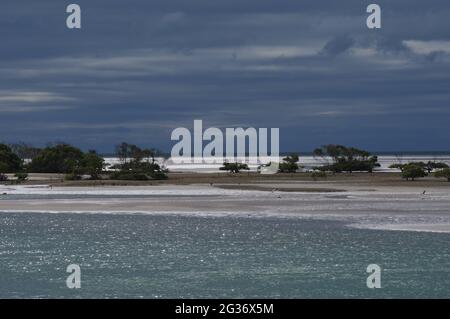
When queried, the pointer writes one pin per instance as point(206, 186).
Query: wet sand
point(363, 205)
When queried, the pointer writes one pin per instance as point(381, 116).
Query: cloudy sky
point(138, 69)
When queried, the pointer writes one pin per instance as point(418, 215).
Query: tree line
point(137, 163)
point(413, 170)
point(339, 158)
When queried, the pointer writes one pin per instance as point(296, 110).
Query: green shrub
point(346, 159)
point(430, 166)
point(9, 162)
point(413, 171)
point(289, 164)
point(61, 158)
point(160, 175)
point(234, 167)
point(443, 173)
point(92, 164)
point(136, 164)
point(21, 177)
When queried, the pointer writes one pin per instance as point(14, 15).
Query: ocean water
point(169, 256)
point(306, 161)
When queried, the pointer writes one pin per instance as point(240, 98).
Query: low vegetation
point(413, 171)
point(9, 161)
point(137, 164)
point(234, 167)
point(345, 159)
point(62, 158)
point(69, 160)
point(21, 177)
point(443, 173)
point(428, 167)
point(140, 164)
point(289, 164)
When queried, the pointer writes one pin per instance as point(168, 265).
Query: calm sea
point(153, 256)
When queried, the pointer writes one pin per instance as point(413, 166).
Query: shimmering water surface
point(156, 256)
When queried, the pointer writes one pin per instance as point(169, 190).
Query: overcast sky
point(138, 69)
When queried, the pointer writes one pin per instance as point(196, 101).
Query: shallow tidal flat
point(251, 240)
point(405, 206)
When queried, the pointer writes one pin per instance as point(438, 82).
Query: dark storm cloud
point(337, 46)
point(138, 69)
point(391, 45)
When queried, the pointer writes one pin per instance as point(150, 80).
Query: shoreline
point(395, 207)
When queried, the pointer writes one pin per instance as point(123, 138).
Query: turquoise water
point(152, 256)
